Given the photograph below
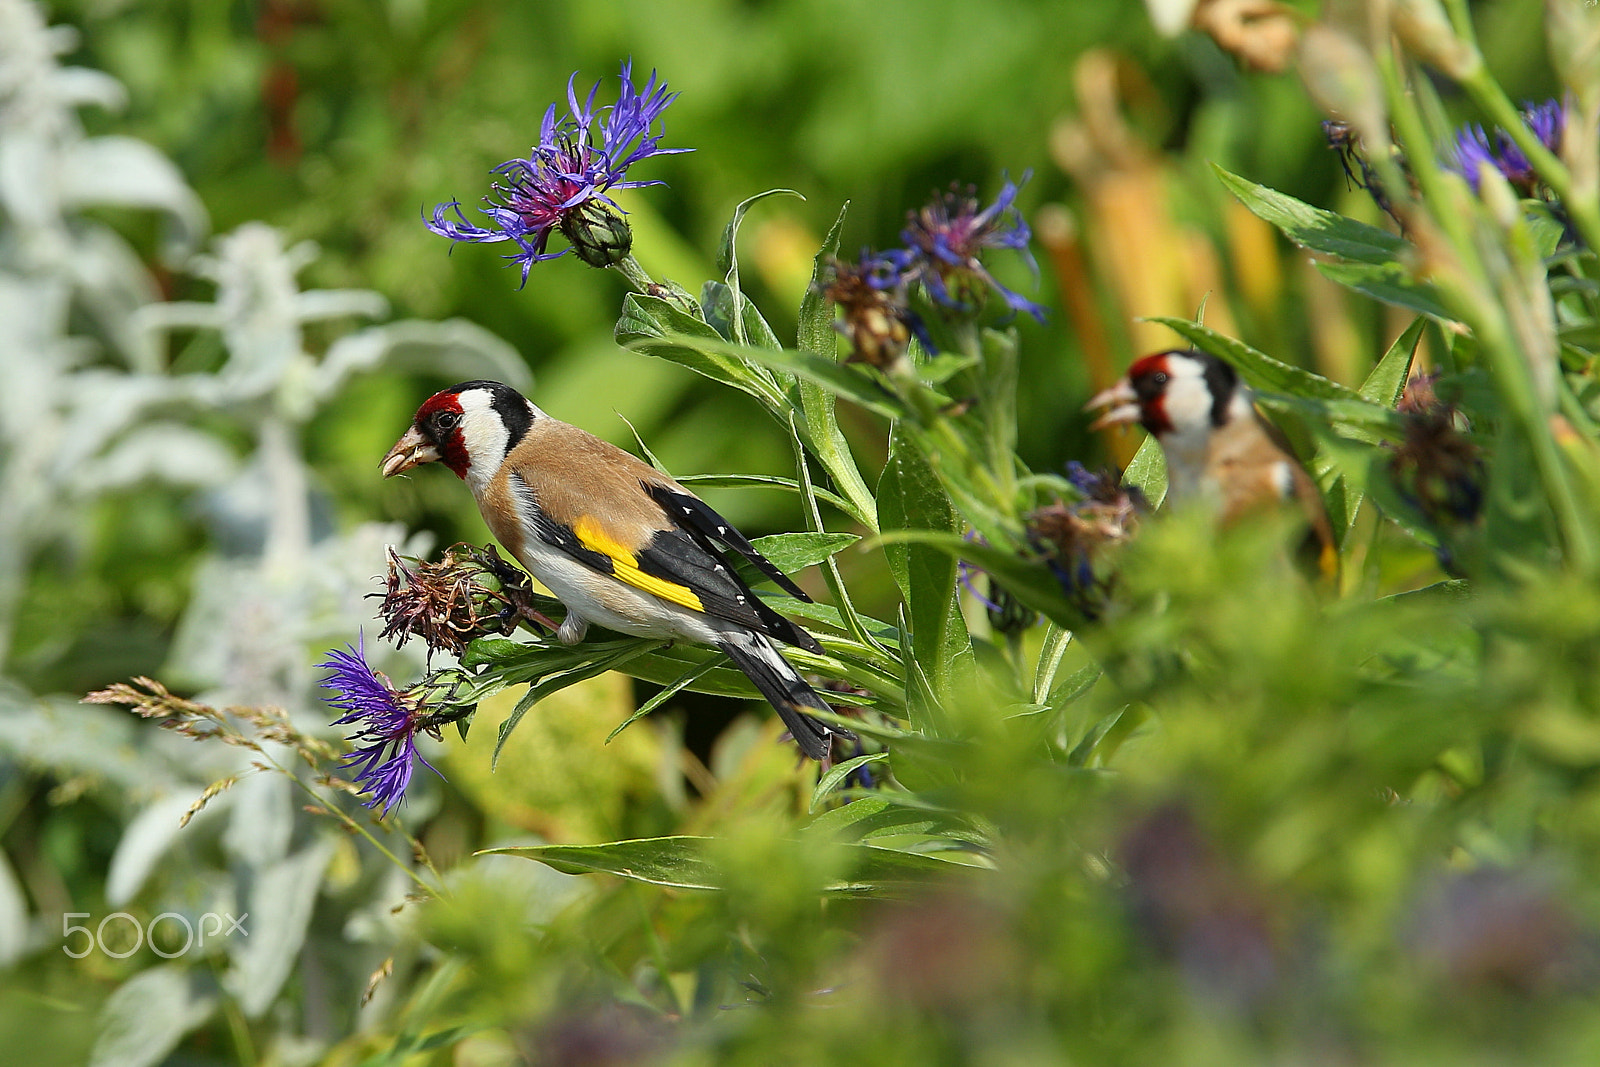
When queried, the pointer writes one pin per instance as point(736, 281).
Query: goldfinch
point(618, 542)
point(1218, 450)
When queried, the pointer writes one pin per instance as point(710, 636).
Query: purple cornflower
point(1475, 149)
point(386, 742)
point(563, 182)
point(946, 238)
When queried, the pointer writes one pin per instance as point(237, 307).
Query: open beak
point(410, 450)
point(1121, 406)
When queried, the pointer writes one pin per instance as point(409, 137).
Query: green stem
point(1469, 297)
point(1492, 99)
point(351, 824)
point(637, 277)
point(658, 950)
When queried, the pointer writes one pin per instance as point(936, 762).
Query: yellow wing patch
point(625, 565)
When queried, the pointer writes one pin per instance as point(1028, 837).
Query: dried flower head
point(871, 297)
point(449, 603)
point(1076, 538)
point(945, 243)
point(564, 181)
point(1263, 34)
point(1437, 468)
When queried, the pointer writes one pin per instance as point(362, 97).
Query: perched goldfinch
point(1218, 449)
point(617, 541)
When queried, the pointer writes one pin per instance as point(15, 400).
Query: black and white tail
point(783, 687)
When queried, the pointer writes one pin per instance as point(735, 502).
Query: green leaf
point(1147, 472)
point(556, 682)
point(659, 328)
point(681, 863)
point(911, 497)
point(744, 321)
point(791, 552)
point(1383, 387)
point(770, 481)
point(816, 335)
point(1388, 379)
point(678, 862)
point(832, 780)
point(1312, 227)
point(843, 380)
point(1031, 582)
point(886, 814)
point(1259, 370)
point(688, 678)
point(1390, 283)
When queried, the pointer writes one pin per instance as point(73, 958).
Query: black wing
point(695, 516)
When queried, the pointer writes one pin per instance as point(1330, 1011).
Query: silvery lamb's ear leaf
point(128, 172)
point(454, 348)
point(177, 455)
point(315, 305)
point(279, 910)
point(103, 406)
point(260, 820)
point(13, 915)
point(112, 285)
point(149, 1013)
point(141, 847)
point(80, 86)
point(72, 739)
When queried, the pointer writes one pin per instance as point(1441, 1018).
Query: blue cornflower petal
point(1474, 149)
point(386, 740)
point(946, 239)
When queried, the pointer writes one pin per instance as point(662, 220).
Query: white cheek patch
point(485, 435)
point(1187, 400)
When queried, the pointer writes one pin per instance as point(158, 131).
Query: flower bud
point(599, 233)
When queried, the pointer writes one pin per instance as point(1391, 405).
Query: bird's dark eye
point(446, 420)
point(1159, 377)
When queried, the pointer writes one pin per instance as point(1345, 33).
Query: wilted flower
point(871, 297)
point(1437, 468)
point(386, 741)
point(448, 603)
point(1262, 33)
point(1075, 537)
point(946, 240)
point(1475, 149)
point(563, 182)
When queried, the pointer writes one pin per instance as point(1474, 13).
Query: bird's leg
point(572, 628)
point(514, 587)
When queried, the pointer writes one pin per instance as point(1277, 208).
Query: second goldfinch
point(617, 541)
point(1218, 450)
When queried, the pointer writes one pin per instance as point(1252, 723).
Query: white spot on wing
point(1283, 478)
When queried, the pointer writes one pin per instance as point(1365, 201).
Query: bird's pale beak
point(410, 450)
point(1121, 406)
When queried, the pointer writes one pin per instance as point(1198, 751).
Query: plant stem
point(637, 277)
